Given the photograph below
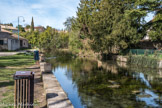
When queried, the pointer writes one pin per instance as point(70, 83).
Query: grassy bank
point(144, 61)
point(16, 63)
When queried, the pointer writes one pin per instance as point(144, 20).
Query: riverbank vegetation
point(145, 58)
point(113, 26)
point(144, 61)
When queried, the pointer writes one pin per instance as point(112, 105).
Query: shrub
point(144, 61)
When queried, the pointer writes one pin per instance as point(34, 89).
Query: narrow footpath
point(39, 93)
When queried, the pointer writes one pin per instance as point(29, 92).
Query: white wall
point(15, 44)
point(9, 44)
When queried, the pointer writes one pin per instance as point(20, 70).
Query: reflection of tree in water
point(154, 76)
point(95, 84)
point(98, 83)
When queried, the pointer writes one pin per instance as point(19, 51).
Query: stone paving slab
point(55, 95)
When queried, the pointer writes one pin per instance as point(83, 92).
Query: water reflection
point(91, 84)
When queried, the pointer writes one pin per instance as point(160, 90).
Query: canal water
point(91, 84)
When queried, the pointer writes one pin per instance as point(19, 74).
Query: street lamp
point(18, 24)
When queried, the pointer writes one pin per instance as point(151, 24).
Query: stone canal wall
point(160, 64)
point(122, 58)
point(55, 95)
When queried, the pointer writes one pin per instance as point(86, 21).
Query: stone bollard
point(99, 64)
point(42, 59)
point(45, 67)
point(41, 54)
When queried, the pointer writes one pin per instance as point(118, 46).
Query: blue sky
point(45, 12)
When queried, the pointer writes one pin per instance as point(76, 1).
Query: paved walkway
point(14, 53)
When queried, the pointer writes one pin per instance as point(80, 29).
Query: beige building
point(9, 41)
point(38, 28)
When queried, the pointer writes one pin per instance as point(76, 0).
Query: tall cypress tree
point(32, 25)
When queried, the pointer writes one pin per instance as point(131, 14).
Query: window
point(1, 42)
point(5, 41)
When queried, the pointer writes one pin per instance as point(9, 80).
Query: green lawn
point(18, 62)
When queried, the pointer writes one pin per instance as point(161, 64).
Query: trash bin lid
point(24, 73)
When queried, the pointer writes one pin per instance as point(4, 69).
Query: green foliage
point(70, 23)
point(157, 54)
point(21, 28)
point(27, 27)
point(156, 28)
point(50, 39)
point(114, 23)
point(33, 38)
point(45, 37)
point(74, 42)
point(144, 61)
point(108, 25)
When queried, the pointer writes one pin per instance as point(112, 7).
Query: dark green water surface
point(91, 84)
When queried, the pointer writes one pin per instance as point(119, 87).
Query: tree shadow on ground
point(7, 83)
point(37, 80)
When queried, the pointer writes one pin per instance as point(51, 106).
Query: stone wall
point(160, 64)
point(122, 58)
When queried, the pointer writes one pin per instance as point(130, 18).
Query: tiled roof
point(16, 36)
point(8, 27)
point(3, 30)
point(39, 27)
point(9, 35)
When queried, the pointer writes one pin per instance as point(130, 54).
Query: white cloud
point(45, 12)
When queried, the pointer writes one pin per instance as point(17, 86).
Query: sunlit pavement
point(14, 53)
